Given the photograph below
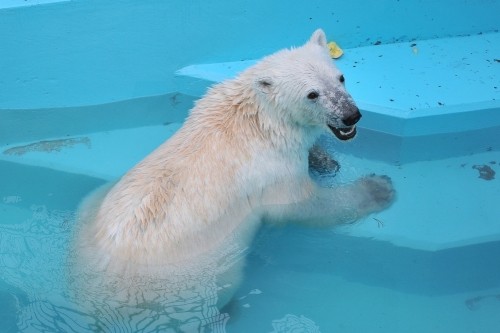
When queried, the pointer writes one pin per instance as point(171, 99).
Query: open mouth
point(343, 134)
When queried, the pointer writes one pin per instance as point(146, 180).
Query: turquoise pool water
point(428, 264)
point(99, 86)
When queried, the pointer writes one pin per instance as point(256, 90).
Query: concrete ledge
point(27, 125)
point(417, 88)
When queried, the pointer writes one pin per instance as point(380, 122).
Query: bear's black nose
point(353, 118)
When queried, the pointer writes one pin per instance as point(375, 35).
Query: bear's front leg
point(329, 206)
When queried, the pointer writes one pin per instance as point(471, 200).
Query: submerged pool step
point(440, 204)
point(105, 155)
point(405, 89)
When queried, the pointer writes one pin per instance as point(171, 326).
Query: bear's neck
point(233, 109)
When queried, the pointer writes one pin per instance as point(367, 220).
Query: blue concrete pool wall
point(76, 62)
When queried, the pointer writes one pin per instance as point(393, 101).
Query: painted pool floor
point(331, 304)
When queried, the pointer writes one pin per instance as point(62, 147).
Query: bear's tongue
point(344, 133)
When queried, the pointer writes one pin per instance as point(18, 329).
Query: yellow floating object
point(335, 50)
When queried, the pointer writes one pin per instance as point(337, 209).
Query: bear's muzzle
point(348, 132)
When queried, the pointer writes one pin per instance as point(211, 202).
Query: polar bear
point(189, 210)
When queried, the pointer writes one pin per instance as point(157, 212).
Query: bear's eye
point(312, 95)
point(341, 79)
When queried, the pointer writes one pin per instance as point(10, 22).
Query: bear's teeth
point(347, 131)
point(344, 133)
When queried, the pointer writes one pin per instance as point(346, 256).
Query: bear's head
point(306, 88)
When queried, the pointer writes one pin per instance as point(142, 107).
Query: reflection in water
point(293, 323)
point(33, 257)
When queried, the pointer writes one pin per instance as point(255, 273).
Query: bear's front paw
point(379, 190)
point(321, 163)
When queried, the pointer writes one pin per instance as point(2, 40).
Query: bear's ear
point(318, 37)
point(264, 84)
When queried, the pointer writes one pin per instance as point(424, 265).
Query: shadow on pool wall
point(74, 56)
point(398, 150)
point(446, 271)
